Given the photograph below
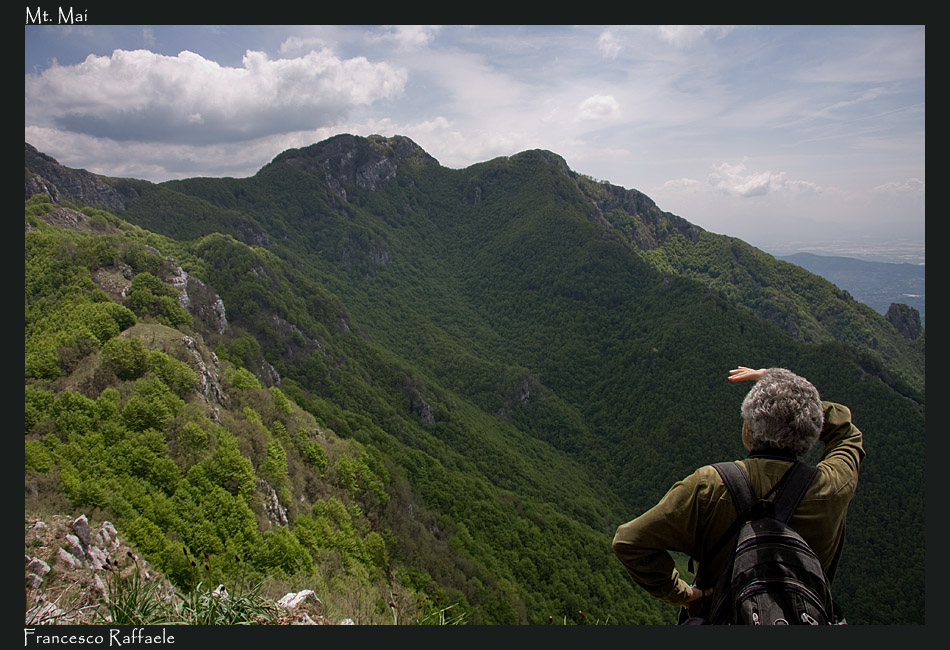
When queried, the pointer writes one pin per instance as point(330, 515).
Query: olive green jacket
point(698, 510)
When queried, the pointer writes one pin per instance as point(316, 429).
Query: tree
point(126, 357)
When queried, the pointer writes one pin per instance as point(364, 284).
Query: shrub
point(243, 379)
point(177, 375)
point(126, 357)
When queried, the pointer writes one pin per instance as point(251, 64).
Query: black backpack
point(774, 577)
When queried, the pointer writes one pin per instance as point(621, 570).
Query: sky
point(802, 137)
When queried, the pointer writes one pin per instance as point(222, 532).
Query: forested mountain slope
point(533, 358)
point(877, 284)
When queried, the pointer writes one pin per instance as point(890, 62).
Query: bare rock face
point(45, 175)
point(209, 382)
point(905, 319)
point(66, 559)
point(199, 299)
point(72, 554)
point(368, 163)
point(276, 513)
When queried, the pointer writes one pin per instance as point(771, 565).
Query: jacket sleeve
point(844, 447)
point(643, 545)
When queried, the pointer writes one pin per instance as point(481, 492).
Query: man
point(783, 416)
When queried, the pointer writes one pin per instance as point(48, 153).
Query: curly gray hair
point(783, 411)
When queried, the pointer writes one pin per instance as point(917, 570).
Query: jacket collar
point(774, 452)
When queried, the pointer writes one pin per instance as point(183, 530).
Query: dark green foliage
point(482, 373)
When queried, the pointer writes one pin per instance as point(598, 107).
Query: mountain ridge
point(876, 284)
point(523, 297)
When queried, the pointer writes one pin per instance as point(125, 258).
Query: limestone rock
point(293, 600)
point(37, 566)
point(81, 528)
point(69, 559)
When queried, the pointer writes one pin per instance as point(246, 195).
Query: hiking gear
point(774, 577)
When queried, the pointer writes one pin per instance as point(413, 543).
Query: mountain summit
point(443, 382)
point(368, 163)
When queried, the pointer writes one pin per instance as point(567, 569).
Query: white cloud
point(598, 107)
point(148, 36)
point(736, 180)
point(408, 37)
point(683, 184)
point(301, 44)
point(842, 107)
point(146, 97)
point(910, 187)
point(689, 35)
point(609, 44)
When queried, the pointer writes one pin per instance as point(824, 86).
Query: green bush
point(177, 375)
point(151, 405)
point(243, 379)
point(38, 459)
point(315, 455)
point(126, 357)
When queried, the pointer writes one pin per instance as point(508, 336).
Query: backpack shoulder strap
point(738, 484)
point(743, 498)
point(793, 487)
point(789, 490)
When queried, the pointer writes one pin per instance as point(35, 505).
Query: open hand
point(745, 374)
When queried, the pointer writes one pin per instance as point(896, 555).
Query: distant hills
point(361, 370)
point(877, 284)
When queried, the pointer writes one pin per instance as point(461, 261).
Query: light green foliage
point(151, 405)
point(143, 261)
point(104, 319)
point(175, 374)
point(126, 357)
point(242, 379)
point(148, 295)
point(38, 459)
point(363, 474)
point(146, 536)
point(212, 517)
point(253, 416)
point(347, 469)
point(274, 469)
point(315, 455)
point(193, 438)
point(38, 403)
point(244, 351)
point(335, 527)
point(73, 413)
point(228, 468)
point(281, 551)
point(281, 403)
point(376, 549)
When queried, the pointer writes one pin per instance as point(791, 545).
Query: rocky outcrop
point(209, 385)
point(346, 160)
point(652, 227)
point(905, 320)
point(77, 552)
point(199, 299)
point(418, 404)
point(70, 562)
point(275, 512)
point(45, 175)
